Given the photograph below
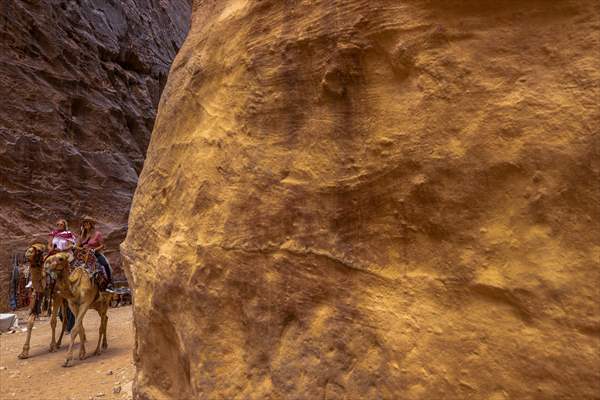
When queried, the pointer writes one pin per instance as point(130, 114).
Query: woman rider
point(62, 239)
point(92, 238)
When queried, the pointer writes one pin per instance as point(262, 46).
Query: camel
point(35, 256)
point(82, 293)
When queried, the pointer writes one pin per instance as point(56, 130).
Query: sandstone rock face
point(80, 82)
point(373, 200)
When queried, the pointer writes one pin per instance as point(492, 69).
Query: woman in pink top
point(93, 239)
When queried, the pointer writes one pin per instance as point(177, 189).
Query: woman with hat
point(93, 239)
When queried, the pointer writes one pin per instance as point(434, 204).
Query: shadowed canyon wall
point(80, 83)
point(373, 200)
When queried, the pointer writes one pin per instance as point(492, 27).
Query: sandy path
point(41, 377)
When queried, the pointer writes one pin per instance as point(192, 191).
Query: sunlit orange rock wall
point(373, 200)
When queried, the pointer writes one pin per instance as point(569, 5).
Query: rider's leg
point(70, 317)
point(105, 264)
point(107, 271)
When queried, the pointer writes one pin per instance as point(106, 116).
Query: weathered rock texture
point(373, 200)
point(80, 82)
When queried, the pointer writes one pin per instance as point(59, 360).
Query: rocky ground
point(108, 376)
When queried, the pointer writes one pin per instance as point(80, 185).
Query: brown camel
point(82, 293)
point(35, 256)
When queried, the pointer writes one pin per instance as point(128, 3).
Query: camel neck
point(64, 286)
point(35, 262)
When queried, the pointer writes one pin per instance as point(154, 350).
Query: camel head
point(35, 254)
point(57, 263)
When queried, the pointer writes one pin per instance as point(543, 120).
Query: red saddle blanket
point(84, 257)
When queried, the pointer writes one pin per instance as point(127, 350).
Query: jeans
point(70, 319)
point(105, 264)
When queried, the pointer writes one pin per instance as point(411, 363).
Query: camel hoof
point(68, 363)
point(23, 355)
point(97, 352)
point(82, 356)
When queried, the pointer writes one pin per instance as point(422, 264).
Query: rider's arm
point(50, 243)
point(79, 242)
point(100, 241)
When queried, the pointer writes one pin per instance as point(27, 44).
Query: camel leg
point(25, 353)
point(46, 306)
point(105, 325)
point(62, 305)
point(53, 345)
point(79, 312)
point(105, 318)
point(82, 339)
point(101, 333)
point(50, 304)
point(82, 344)
point(98, 351)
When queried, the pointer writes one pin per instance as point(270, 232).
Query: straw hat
point(87, 218)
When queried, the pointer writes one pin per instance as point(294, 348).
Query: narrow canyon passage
point(80, 85)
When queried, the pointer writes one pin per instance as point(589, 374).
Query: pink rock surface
point(79, 85)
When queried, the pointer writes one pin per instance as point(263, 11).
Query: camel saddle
point(85, 258)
